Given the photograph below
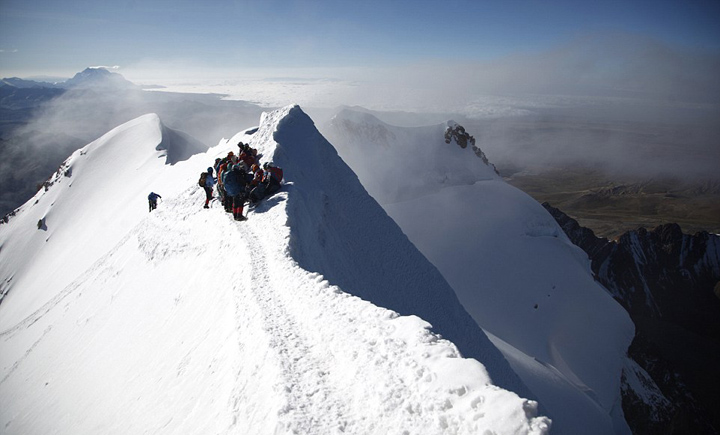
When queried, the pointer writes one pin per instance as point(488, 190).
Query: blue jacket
point(210, 180)
point(153, 196)
point(234, 182)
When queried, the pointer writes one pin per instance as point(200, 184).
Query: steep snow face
point(338, 230)
point(186, 321)
point(525, 283)
point(515, 272)
point(96, 196)
point(396, 164)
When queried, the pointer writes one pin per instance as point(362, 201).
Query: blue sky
point(62, 37)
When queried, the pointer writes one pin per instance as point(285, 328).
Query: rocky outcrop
point(456, 132)
point(667, 282)
point(661, 273)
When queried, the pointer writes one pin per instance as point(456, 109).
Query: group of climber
point(240, 179)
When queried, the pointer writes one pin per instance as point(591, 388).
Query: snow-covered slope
point(95, 197)
point(400, 163)
point(184, 321)
point(511, 265)
point(338, 230)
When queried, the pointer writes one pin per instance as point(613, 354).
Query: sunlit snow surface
point(184, 321)
point(510, 263)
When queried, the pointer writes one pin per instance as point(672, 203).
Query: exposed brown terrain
point(614, 165)
point(611, 207)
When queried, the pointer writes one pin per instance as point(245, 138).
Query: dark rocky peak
point(583, 237)
point(644, 265)
point(456, 133)
point(668, 282)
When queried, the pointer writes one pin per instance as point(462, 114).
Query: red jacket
point(248, 158)
point(258, 177)
point(274, 172)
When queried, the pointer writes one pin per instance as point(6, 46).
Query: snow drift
point(182, 320)
point(511, 265)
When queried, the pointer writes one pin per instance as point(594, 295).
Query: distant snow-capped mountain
point(19, 94)
point(511, 265)
point(97, 77)
point(46, 122)
point(317, 315)
point(88, 78)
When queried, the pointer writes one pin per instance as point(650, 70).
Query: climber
point(208, 186)
point(235, 181)
point(222, 171)
point(247, 159)
point(256, 188)
point(152, 198)
point(273, 178)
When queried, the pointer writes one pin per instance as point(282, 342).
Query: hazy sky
point(59, 37)
point(423, 55)
point(650, 61)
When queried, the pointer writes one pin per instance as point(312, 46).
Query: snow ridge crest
point(282, 337)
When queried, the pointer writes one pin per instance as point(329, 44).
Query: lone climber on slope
point(152, 199)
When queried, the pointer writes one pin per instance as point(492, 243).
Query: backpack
point(203, 177)
point(276, 172)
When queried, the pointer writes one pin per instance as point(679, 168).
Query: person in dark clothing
point(152, 199)
point(273, 178)
point(235, 181)
point(209, 183)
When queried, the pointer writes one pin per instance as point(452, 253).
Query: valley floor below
point(611, 207)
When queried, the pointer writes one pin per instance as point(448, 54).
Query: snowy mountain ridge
point(184, 321)
point(76, 213)
point(509, 262)
point(371, 146)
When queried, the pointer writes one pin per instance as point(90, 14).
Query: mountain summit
point(311, 317)
point(98, 78)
